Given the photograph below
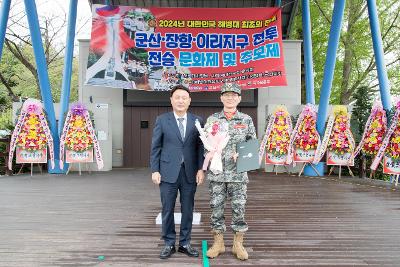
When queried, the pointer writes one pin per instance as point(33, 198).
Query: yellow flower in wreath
point(78, 122)
point(374, 125)
point(32, 134)
point(32, 120)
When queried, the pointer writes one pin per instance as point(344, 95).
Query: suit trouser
point(169, 193)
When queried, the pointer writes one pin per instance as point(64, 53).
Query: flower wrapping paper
point(215, 138)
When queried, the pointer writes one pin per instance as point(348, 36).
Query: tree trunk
point(15, 50)
point(11, 94)
point(348, 55)
point(39, 93)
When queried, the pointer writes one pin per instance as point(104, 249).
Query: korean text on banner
point(156, 48)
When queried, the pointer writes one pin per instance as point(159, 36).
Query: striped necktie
point(181, 129)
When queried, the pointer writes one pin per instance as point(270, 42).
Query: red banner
point(156, 48)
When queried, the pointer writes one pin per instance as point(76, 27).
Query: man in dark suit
point(176, 162)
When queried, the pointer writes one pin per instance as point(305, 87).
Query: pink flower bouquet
point(215, 138)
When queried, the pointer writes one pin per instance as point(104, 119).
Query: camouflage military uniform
point(229, 183)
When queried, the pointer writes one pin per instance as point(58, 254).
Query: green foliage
point(355, 52)
point(6, 121)
point(56, 75)
point(361, 111)
point(3, 102)
point(24, 83)
point(5, 124)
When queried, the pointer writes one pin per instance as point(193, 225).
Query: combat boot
point(218, 247)
point(237, 248)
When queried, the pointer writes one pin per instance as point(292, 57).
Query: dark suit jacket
point(167, 148)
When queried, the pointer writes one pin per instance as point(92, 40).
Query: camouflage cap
point(231, 87)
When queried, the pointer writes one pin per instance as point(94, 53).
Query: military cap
point(231, 87)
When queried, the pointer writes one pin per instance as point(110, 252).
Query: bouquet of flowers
point(32, 136)
point(279, 138)
point(215, 138)
point(78, 137)
point(338, 137)
point(304, 135)
point(31, 132)
point(339, 140)
point(307, 138)
point(393, 148)
point(374, 132)
point(391, 143)
point(78, 134)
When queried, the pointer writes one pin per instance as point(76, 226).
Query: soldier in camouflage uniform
point(229, 183)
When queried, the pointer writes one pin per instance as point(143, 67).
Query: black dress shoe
point(167, 251)
point(188, 250)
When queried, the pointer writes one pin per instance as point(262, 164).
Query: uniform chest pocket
point(240, 126)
